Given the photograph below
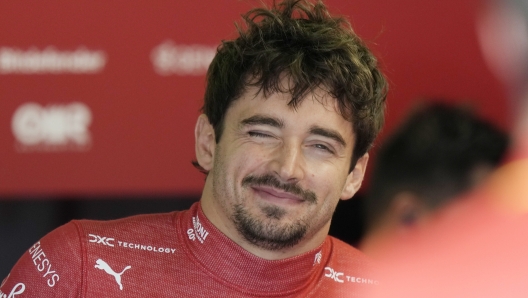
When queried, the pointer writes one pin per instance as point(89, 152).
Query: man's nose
point(289, 163)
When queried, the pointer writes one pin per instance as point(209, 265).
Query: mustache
point(270, 180)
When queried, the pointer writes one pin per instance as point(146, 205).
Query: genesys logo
point(55, 127)
point(51, 61)
point(170, 58)
point(43, 265)
point(18, 289)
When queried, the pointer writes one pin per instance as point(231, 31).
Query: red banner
point(101, 97)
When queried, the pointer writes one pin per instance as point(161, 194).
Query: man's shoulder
point(49, 266)
point(142, 228)
point(148, 220)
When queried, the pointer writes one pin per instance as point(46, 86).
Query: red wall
point(101, 97)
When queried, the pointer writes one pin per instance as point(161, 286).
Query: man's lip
point(276, 193)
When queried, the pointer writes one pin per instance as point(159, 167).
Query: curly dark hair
point(302, 42)
point(432, 155)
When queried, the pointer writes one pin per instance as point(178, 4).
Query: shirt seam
point(84, 260)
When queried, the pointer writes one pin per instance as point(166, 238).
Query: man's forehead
point(319, 95)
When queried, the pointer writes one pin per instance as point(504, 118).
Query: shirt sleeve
point(52, 267)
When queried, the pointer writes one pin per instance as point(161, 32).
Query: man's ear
point(205, 143)
point(354, 179)
point(407, 209)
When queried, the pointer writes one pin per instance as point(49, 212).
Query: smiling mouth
point(275, 195)
point(270, 188)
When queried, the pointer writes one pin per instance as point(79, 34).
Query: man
point(291, 108)
point(477, 247)
point(438, 153)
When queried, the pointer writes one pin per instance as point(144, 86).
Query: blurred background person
point(439, 152)
point(476, 247)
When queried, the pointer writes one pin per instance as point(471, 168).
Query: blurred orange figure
point(477, 246)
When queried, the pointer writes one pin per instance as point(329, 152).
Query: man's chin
point(273, 212)
point(273, 234)
point(268, 227)
point(274, 242)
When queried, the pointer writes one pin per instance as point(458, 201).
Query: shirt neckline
point(234, 266)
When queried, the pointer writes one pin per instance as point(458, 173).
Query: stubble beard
point(269, 233)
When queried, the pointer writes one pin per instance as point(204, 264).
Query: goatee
point(269, 233)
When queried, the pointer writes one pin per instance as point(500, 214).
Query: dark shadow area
point(348, 221)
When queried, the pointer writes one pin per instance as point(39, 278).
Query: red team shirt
point(475, 247)
point(178, 254)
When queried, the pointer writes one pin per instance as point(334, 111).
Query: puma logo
point(100, 264)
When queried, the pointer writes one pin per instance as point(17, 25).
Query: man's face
point(278, 172)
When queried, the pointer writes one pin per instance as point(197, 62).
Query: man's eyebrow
point(263, 120)
point(332, 134)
